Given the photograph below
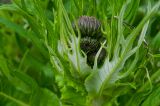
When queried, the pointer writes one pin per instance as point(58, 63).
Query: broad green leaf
point(21, 81)
point(136, 100)
point(44, 97)
point(153, 99)
point(19, 102)
point(155, 44)
point(71, 96)
point(4, 68)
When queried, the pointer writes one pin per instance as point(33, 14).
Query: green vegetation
point(42, 64)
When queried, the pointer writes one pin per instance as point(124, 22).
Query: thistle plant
point(79, 53)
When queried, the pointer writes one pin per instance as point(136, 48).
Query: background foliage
point(41, 62)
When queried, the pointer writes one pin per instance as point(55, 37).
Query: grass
point(41, 63)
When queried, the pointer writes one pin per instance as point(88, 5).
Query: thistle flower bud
point(89, 45)
point(89, 26)
point(91, 36)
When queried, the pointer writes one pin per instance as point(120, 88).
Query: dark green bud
point(89, 45)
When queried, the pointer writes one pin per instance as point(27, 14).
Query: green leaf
point(20, 81)
point(153, 99)
point(4, 68)
point(14, 27)
point(71, 96)
point(131, 11)
point(155, 43)
point(24, 33)
point(19, 102)
point(44, 97)
point(135, 100)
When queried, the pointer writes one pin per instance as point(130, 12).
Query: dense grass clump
point(80, 53)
